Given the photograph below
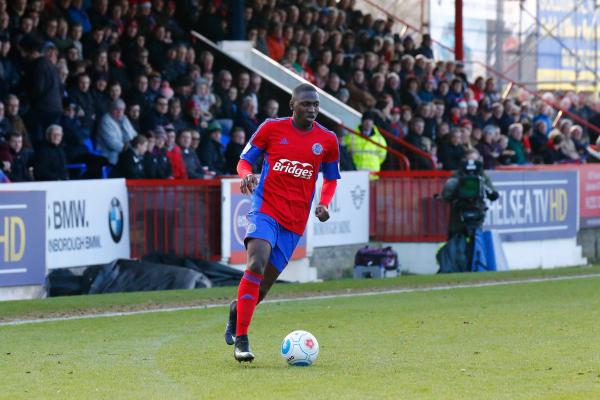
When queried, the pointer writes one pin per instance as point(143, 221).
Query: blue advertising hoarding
point(534, 205)
point(22, 238)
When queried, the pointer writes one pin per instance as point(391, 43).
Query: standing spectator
point(211, 150)
point(131, 161)
point(42, 85)
point(21, 159)
point(234, 150)
point(193, 167)
point(50, 161)
point(114, 132)
point(366, 155)
point(174, 154)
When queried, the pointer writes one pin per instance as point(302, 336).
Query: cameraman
point(466, 191)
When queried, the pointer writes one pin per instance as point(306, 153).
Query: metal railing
point(181, 217)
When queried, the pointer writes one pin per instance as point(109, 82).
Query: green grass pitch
point(538, 340)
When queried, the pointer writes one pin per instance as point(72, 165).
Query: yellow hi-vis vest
point(366, 155)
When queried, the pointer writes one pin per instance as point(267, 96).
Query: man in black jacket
point(130, 164)
point(211, 150)
point(234, 150)
point(451, 151)
point(21, 159)
point(50, 161)
point(156, 162)
point(42, 85)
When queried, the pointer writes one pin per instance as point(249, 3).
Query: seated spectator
point(567, 146)
point(193, 167)
point(131, 161)
point(538, 140)
point(134, 112)
point(270, 110)
point(488, 148)
point(366, 155)
point(156, 161)
point(157, 116)
point(50, 161)
point(114, 132)
point(451, 151)
point(234, 150)
point(580, 143)
point(506, 154)
point(246, 118)
point(12, 105)
point(175, 115)
point(417, 139)
point(515, 143)
point(178, 167)
point(82, 96)
point(360, 98)
point(21, 159)
point(212, 151)
point(5, 125)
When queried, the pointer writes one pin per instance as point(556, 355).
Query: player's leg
point(270, 276)
point(258, 251)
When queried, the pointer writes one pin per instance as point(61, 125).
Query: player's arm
point(331, 173)
point(254, 149)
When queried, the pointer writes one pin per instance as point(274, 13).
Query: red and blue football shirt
point(292, 160)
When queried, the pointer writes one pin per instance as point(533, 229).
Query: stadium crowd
point(116, 88)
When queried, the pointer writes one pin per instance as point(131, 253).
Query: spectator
point(212, 153)
point(366, 155)
point(156, 161)
point(271, 110)
point(21, 159)
point(515, 143)
point(49, 161)
point(115, 132)
point(12, 105)
point(360, 98)
point(426, 47)
point(234, 150)
point(451, 151)
point(134, 112)
point(488, 148)
point(42, 86)
point(175, 116)
point(567, 146)
point(193, 167)
point(178, 167)
point(539, 140)
point(9, 73)
point(246, 117)
point(5, 125)
point(82, 96)
point(417, 139)
point(275, 42)
point(157, 116)
point(131, 161)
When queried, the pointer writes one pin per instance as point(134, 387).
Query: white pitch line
point(320, 297)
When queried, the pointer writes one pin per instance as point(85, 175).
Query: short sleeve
point(331, 160)
point(257, 144)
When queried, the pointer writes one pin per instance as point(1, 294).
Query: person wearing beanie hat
point(212, 151)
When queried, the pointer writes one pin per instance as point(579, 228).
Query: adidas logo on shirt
point(283, 141)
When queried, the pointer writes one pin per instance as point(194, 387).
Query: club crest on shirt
point(317, 149)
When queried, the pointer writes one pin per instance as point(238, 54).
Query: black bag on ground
point(452, 256)
point(384, 257)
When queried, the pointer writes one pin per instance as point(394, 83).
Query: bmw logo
point(115, 220)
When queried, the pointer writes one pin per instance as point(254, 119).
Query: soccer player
point(295, 149)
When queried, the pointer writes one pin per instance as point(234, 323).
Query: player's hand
point(248, 184)
point(322, 213)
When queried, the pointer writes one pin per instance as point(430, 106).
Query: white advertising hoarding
point(349, 213)
point(87, 221)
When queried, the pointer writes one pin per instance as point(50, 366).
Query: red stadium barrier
point(182, 217)
point(403, 208)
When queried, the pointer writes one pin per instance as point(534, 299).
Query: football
point(300, 348)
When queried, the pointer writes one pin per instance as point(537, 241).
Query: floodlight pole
point(458, 30)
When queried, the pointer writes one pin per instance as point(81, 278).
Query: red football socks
point(247, 300)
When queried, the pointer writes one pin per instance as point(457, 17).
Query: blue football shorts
point(283, 241)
